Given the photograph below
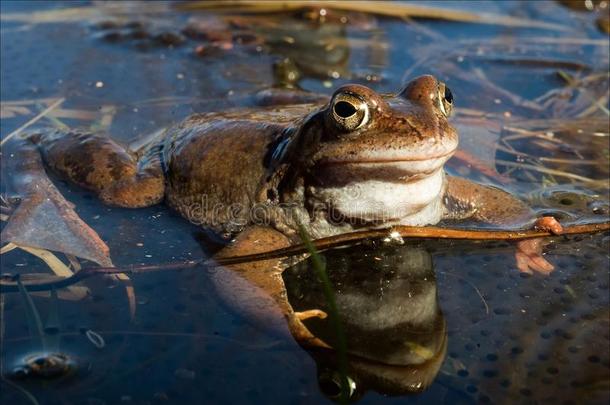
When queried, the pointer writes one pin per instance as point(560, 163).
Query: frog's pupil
point(330, 387)
point(448, 95)
point(344, 109)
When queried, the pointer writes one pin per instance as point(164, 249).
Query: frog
point(360, 160)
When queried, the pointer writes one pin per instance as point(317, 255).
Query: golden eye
point(349, 112)
point(445, 99)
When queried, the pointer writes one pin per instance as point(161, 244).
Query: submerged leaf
point(53, 225)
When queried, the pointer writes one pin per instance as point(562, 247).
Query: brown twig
point(8, 284)
point(426, 232)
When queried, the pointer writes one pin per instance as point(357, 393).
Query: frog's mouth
point(393, 170)
point(404, 162)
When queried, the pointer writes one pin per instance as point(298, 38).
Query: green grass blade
point(52, 324)
point(341, 347)
point(34, 322)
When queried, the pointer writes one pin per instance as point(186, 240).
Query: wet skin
point(362, 160)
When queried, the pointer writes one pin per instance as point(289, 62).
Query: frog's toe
point(548, 224)
point(531, 265)
point(311, 313)
point(529, 257)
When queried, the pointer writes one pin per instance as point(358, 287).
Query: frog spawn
point(566, 204)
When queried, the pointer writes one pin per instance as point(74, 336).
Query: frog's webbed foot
point(529, 252)
point(529, 257)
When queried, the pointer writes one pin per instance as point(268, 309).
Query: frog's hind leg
point(96, 162)
point(43, 218)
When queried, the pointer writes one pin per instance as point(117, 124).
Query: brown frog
point(362, 160)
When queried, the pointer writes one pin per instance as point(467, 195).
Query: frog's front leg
point(257, 288)
point(94, 161)
point(465, 199)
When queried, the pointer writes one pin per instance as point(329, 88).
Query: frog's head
point(377, 157)
point(407, 131)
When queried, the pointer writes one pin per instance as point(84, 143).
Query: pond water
point(531, 88)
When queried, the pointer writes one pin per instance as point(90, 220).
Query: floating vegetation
point(550, 147)
point(380, 8)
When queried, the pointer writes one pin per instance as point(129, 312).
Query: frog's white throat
point(416, 202)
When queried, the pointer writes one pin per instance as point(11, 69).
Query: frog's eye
point(349, 111)
point(330, 384)
point(445, 99)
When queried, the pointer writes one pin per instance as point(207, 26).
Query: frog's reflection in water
point(386, 295)
point(387, 303)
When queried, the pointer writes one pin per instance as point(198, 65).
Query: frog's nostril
point(344, 109)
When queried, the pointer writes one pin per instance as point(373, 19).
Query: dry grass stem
point(42, 114)
point(569, 161)
point(380, 8)
point(546, 170)
point(56, 265)
point(7, 248)
point(73, 293)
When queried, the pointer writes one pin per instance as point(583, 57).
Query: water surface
point(530, 109)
